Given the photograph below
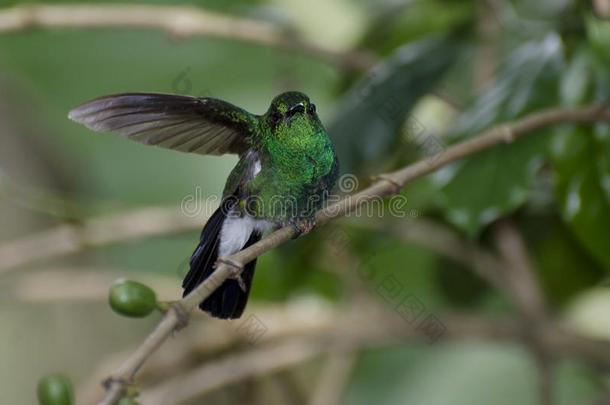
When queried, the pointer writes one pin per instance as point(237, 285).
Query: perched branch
point(391, 183)
point(177, 21)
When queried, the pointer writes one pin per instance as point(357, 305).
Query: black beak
point(297, 108)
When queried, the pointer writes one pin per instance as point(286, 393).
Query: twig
point(79, 284)
point(235, 367)
point(104, 230)
point(175, 317)
point(544, 367)
point(442, 240)
point(177, 21)
point(352, 332)
point(334, 378)
point(529, 300)
point(518, 273)
point(602, 8)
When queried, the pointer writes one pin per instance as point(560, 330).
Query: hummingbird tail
point(229, 300)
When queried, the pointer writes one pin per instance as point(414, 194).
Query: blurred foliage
point(555, 185)
point(373, 111)
point(502, 176)
point(394, 23)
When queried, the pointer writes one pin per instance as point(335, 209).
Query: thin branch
point(177, 21)
point(528, 297)
point(177, 316)
point(444, 241)
point(518, 274)
point(79, 284)
point(602, 8)
point(351, 332)
point(101, 231)
point(334, 378)
point(354, 329)
point(235, 367)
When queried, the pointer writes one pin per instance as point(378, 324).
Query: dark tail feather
point(229, 300)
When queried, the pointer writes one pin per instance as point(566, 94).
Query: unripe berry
point(55, 389)
point(133, 299)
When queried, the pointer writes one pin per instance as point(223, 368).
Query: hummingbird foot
point(302, 226)
point(236, 273)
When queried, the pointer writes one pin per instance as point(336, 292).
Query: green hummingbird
point(286, 170)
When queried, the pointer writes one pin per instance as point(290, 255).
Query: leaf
point(488, 185)
point(371, 114)
point(461, 374)
point(396, 23)
point(564, 268)
point(581, 178)
point(581, 155)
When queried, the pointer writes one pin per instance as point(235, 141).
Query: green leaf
point(491, 184)
point(582, 178)
point(372, 113)
point(581, 155)
point(461, 374)
point(598, 34)
point(488, 185)
point(564, 268)
point(396, 23)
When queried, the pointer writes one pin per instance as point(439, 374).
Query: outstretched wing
point(188, 124)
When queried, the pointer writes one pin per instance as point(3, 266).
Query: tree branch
point(101, 231)
point(444, 241)
point(527, 296)
point(177, 21)
point(518, 273)
point(334, 378)
point(232, 266)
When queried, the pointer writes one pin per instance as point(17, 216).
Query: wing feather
point(188, 124)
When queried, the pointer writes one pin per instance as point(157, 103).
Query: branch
point(177, 21)
point(518, 273)
point(334, 378)
point(104, 230)
point(527, 295)
point(235, 367)
point(354, 330)
point(79, 284)
point(444, 241)
point(388, 184)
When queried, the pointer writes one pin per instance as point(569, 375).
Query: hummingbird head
point(292, 111)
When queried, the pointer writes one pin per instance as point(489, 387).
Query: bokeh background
point(406, 80)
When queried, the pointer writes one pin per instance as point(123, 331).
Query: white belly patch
point(235, 233)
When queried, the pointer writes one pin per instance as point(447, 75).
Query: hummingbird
point(286, 170)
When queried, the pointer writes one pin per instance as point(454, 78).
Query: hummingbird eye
point(276, 116)
point(312, 108)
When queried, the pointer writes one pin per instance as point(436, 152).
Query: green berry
point(133, 299)
point(55, 389)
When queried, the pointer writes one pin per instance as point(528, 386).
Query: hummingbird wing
point(189, 124)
